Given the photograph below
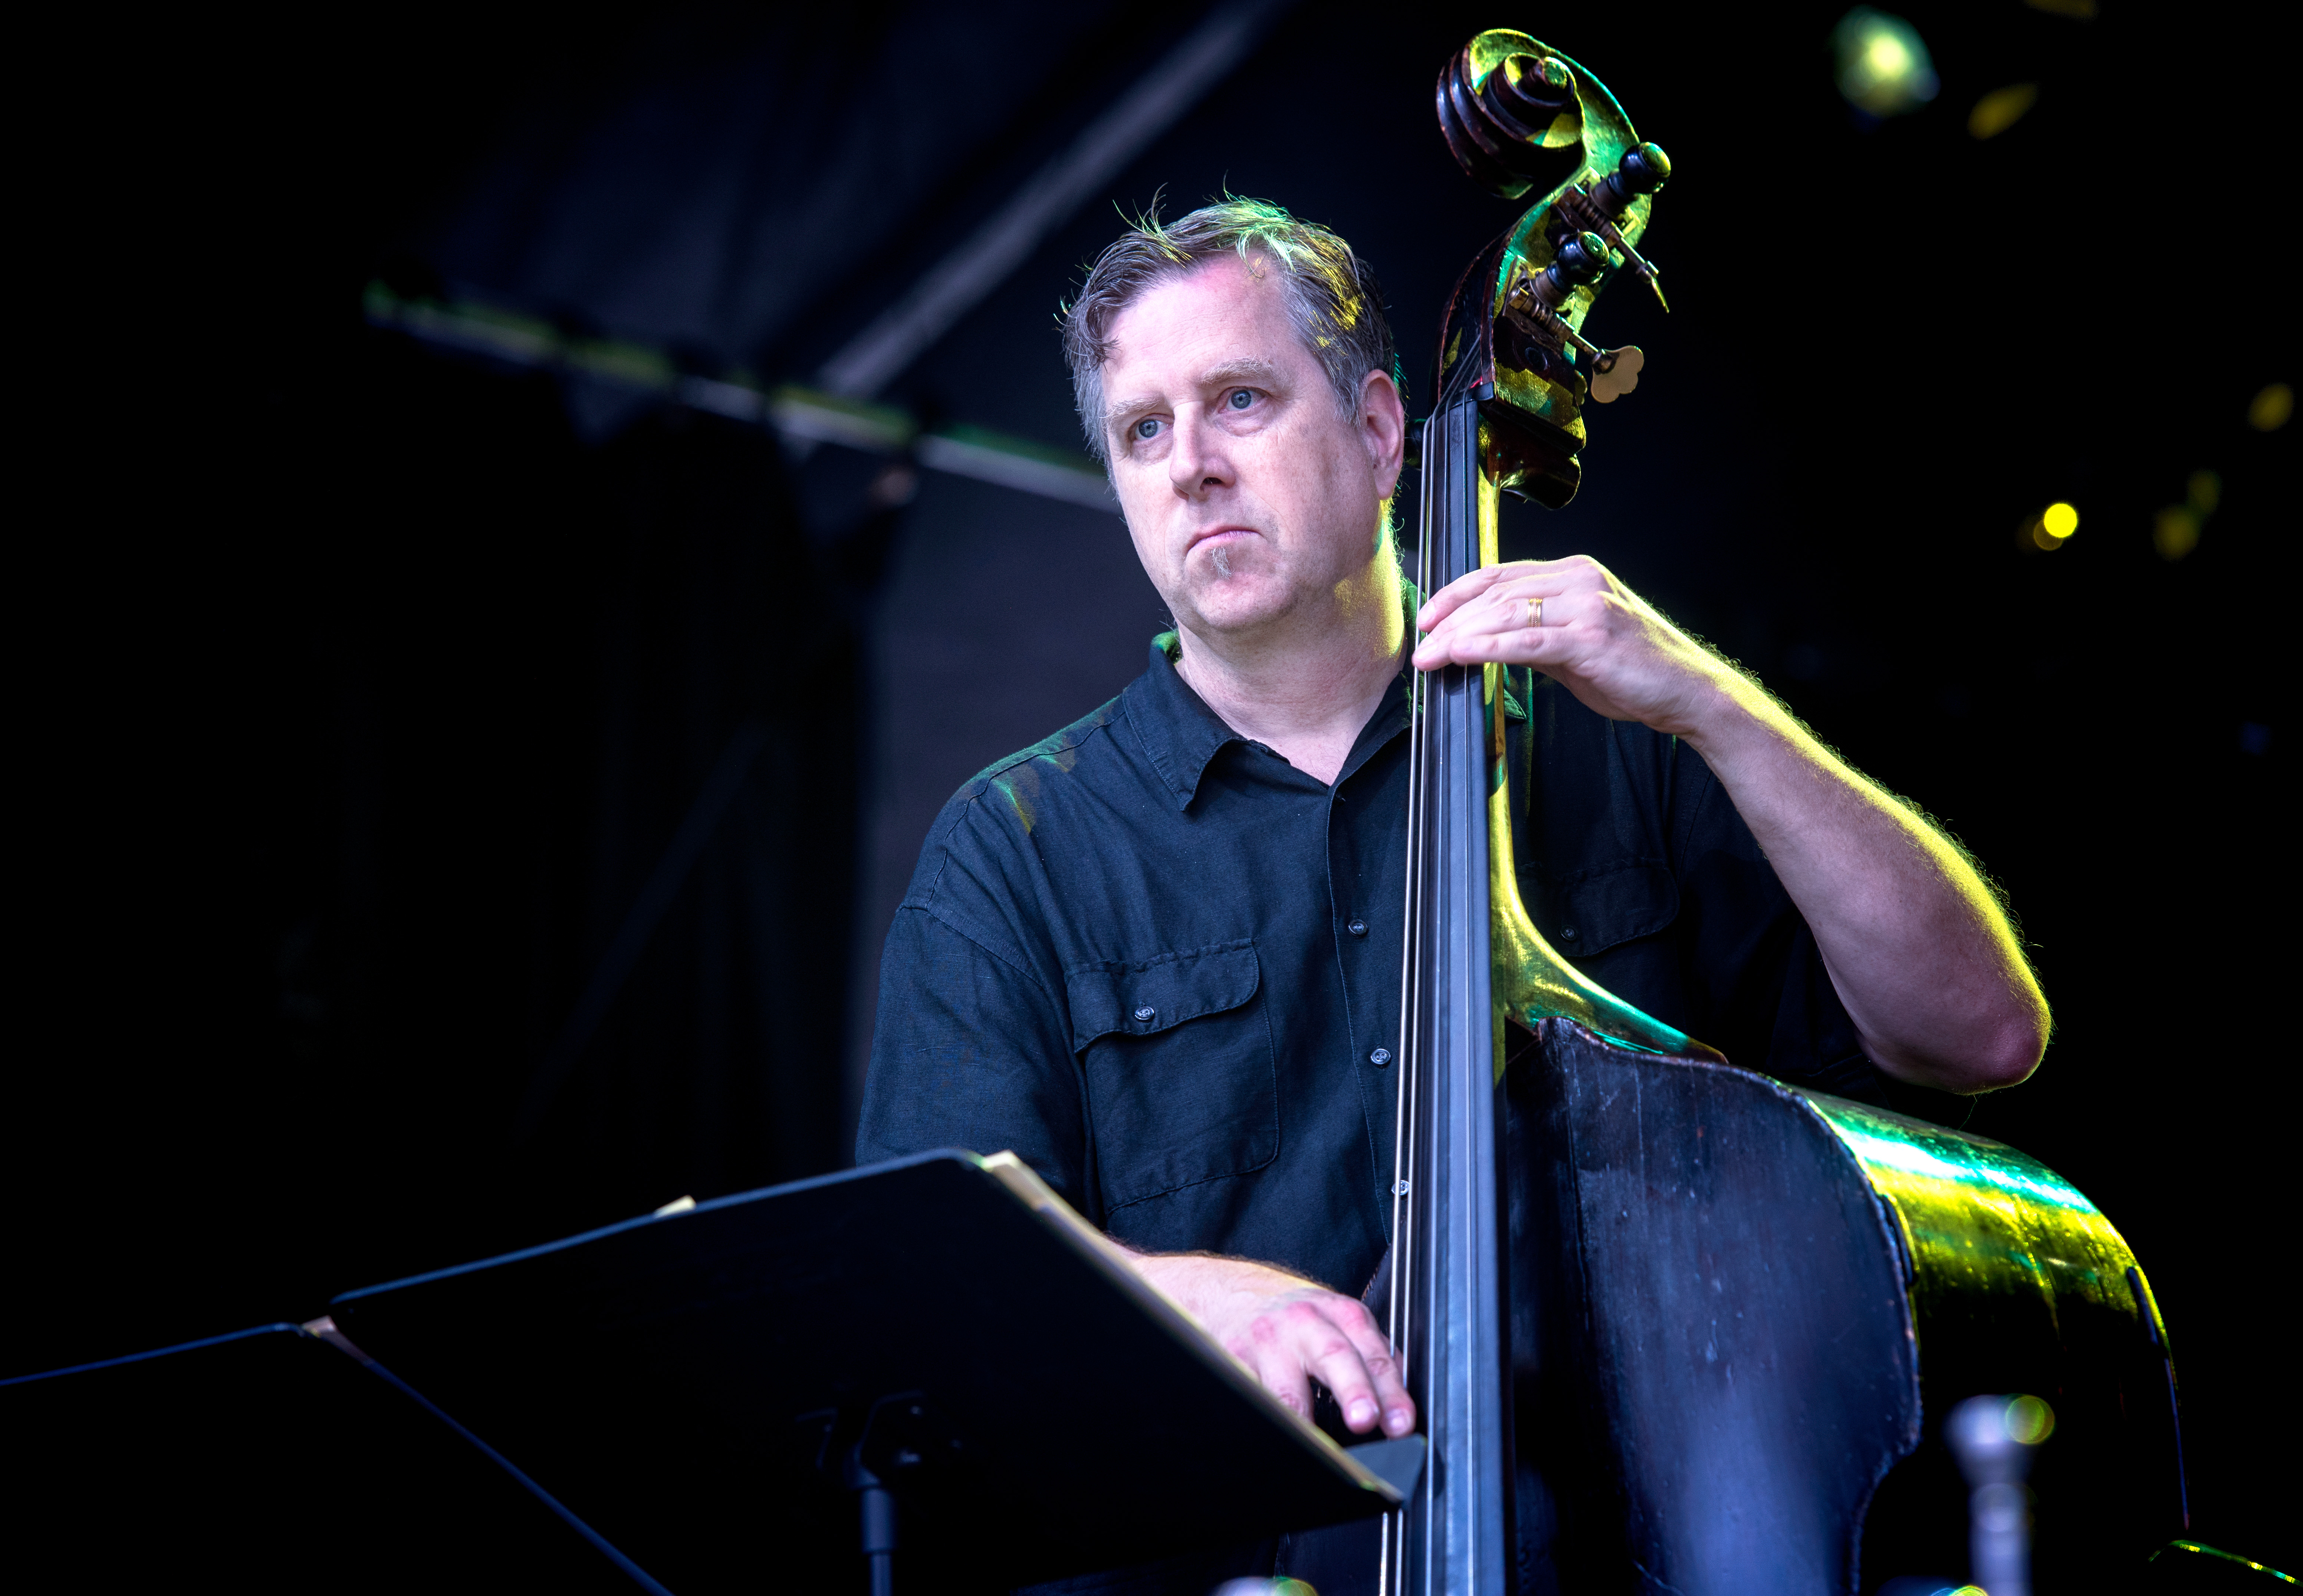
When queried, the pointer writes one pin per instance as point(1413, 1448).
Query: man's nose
point(1196, 462)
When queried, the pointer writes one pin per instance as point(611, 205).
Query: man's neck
point(1305, 689)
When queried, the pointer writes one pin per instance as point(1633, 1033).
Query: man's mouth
point(1217, 540)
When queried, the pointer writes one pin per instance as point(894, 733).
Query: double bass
point(1673, 1326)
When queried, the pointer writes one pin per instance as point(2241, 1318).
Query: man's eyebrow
point(1245, 369)
point(1249, 370)
point(1114, 411)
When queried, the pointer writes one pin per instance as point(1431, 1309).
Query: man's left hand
point(1574, 622)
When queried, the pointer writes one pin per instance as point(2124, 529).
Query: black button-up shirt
point(1161, 964)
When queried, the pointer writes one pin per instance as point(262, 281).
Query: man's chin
point(1242, 605)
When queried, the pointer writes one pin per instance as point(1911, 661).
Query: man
point(1158, 954)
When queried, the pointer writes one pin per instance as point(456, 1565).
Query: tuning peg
point(1582, 259)
point(1616, 372)
point(1644, 169)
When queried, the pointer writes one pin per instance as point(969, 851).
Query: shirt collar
point(1178, 731)
point(1182, 735)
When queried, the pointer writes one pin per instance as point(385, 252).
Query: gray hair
point(1332, 295)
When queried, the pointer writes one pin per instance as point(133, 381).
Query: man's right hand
point(1290, 1332)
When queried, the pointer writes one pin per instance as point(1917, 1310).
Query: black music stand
point(938, 1339)
point(262, 1461)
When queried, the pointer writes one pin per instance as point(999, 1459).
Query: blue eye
point(1242, 397)
point(1149, 427)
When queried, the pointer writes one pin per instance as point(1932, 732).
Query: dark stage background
point(362, 692)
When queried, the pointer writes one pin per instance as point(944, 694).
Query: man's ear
point(1383, 427)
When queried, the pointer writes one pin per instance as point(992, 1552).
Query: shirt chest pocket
point(1181, 1075)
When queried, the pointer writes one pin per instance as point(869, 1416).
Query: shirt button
point(1381, 1058)
point(1358, 928)
point(1567, 933)
point(1147, 1013)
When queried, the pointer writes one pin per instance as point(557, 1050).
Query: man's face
point(1247, 493)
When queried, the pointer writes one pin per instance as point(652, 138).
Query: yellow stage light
point(2002, 109)
point(2268, 411)
point(1882, 67)
point(2059, 521)
point(2175, 531)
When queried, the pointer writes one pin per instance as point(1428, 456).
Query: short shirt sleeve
point(971, 1052)
point(1636, 865)
point(1754, 975)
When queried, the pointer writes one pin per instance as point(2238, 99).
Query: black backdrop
point(361, 693)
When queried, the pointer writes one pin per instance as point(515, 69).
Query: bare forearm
point(1921, 956)
point(1917, 950)
point(1199, 1284)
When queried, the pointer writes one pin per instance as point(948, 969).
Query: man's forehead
point(1217, 322)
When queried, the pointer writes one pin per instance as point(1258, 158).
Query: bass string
point(1399, 1325)
point(1392, 1549)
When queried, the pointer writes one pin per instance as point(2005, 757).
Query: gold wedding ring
point(1535, 612)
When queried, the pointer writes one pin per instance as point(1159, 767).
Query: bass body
point(1742, 1312)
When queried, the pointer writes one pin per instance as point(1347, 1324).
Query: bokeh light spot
point(2268, 411)
point(2175, 531)
point(2059, 521)
point(2002, 109)
point(1882, 67)
point(2030, 1421)
point(2204, 493)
